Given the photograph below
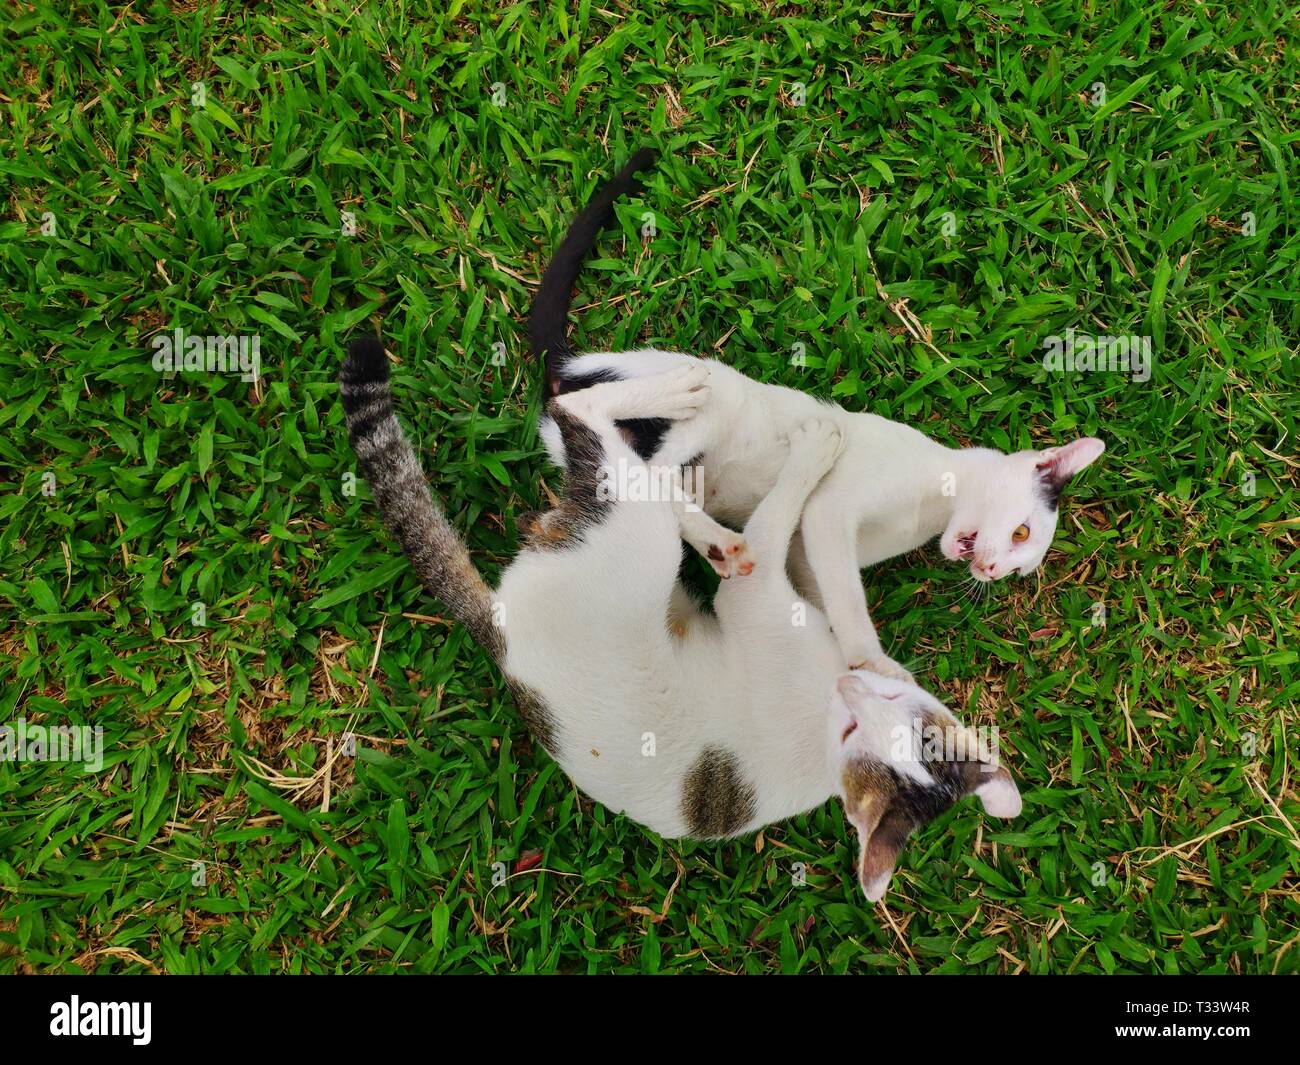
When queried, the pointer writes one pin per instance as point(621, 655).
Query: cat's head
point(1006, 507)
point(903, 759)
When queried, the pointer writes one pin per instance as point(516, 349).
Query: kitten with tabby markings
point(892, 491)
point(694, 724)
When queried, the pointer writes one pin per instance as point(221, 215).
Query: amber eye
point(1021, 534)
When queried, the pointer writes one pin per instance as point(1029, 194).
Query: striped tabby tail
point(437, 553)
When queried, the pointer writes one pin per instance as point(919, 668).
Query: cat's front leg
point(831, 545)
point(814, 447)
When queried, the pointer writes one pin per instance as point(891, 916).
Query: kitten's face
point(903, 760)
point(1005, 523)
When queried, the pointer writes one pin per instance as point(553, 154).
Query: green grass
point(1160, 749)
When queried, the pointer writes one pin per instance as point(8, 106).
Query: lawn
point(306, 768)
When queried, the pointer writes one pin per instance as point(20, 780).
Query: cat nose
point(987, 568)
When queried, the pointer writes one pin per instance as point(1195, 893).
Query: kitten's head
point(1005, 515)
point(904, 759)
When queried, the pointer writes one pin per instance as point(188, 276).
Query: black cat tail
point(547, 321)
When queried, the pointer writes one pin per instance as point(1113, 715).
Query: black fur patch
point(584, 503)
point(716, 800)
point(644, 435)
point(1050, 489)
point(576, 382)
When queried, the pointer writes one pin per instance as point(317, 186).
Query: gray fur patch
point(536, 714)
point(717, 801)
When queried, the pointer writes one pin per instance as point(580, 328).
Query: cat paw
point(816, 444)
point(729, 556)
point(677, 394)
point(885, 666)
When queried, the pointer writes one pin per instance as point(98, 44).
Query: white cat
point(892, 491)
point(694, 724)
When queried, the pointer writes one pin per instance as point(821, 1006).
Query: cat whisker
point(972, 595)
point(970, 588)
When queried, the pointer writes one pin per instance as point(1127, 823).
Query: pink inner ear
point(1062, 463)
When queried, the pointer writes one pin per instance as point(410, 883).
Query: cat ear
point(999, 794)
point(880, 852)
point(882, 831)
point(1057, 465)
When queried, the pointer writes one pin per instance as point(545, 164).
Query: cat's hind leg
point(682, 396)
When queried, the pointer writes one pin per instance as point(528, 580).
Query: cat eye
point(1021, 534)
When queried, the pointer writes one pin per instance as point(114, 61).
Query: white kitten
point(893, 490)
